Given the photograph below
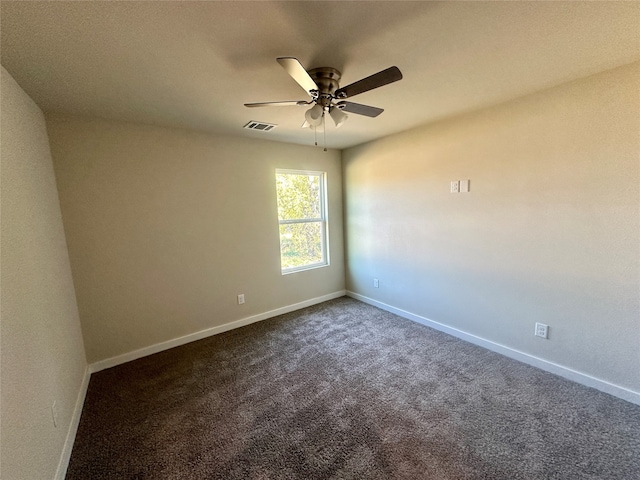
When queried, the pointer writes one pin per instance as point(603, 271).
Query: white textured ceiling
point(193, 64)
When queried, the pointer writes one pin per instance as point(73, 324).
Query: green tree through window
point(302, 218)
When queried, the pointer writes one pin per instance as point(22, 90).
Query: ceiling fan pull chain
point(324, 131)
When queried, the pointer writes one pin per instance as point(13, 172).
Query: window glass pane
point(301, 244)
point(298, 196)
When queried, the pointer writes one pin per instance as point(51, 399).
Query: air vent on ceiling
point(263, 127)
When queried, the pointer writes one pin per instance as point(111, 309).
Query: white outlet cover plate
point(542, 330)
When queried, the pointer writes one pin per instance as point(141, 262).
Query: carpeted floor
point(343, 390)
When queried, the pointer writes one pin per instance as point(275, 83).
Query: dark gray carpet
point(343, 390)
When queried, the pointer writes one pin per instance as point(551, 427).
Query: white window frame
point(323, 220)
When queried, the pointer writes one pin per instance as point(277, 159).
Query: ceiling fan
point(322, 85)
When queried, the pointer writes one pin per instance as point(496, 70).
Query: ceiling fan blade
point(359, 109)
point(298, 73)
point(390, 75)
point(277, 104)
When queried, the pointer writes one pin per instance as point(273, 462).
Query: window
point(302, 215)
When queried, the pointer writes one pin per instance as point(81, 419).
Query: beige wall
point(165, 227)
point(549, 232)
point(41, 343)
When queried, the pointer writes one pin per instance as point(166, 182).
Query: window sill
point(305, 268)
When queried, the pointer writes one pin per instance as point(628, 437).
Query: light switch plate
point(464, 186)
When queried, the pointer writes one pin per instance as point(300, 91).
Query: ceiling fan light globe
point(338, 116)
point(314, 115)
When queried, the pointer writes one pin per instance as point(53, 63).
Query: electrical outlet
point(455, 186)
point(54, 414)
point(376, 283)
point(241, 299)
point(542, 330)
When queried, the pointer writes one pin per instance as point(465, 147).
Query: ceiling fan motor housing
point(327, 79)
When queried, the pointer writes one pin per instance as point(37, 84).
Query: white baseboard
point(176, 342)
point(568, 373)
point(63, 464)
